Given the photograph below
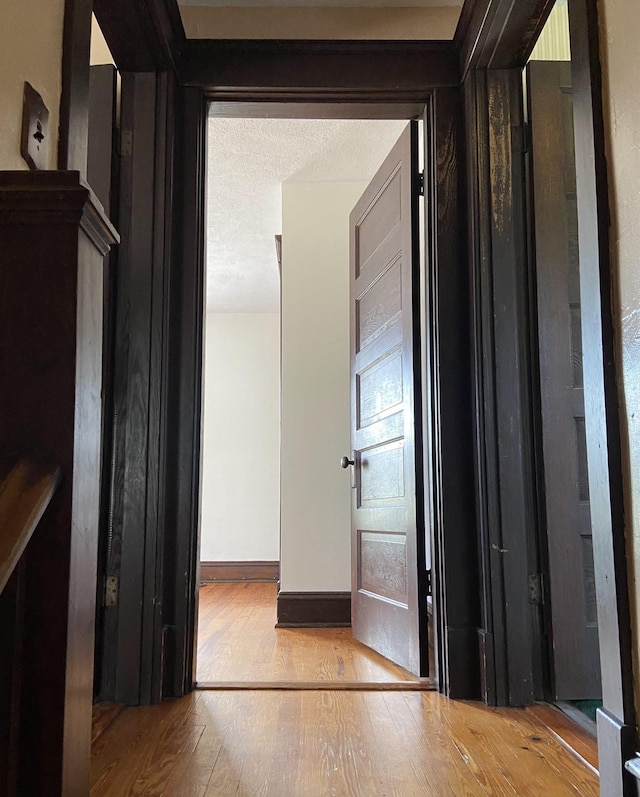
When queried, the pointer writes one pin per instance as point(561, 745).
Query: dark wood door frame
point(495, 38)
point(446, 381)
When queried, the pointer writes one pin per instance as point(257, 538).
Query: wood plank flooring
point(238, 642)
point(315, 744)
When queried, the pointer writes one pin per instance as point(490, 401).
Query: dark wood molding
point(313, 609)
point(499, 34)
point(448, 393)
point(319, 71)
point(186, 307)
point(131, 660)
point(239, 571)
point(74, 100)
point(491, 632)
point(142, 35)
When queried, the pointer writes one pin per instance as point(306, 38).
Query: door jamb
point(445, 374)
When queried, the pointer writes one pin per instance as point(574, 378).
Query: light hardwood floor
point(316, 744)
point(238, 641)
point(333, 743)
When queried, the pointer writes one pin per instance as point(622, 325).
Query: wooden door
point(388, 607)
point(572, 594)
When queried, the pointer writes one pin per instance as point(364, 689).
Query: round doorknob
point(345, 462)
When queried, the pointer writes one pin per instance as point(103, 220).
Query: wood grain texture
point(24, 497)
point(53, 241)
point(313, 744)
point(386, 505)
point(101, 718)
point(449, 466)
point(142, 36)
point(237, 641)
point(577, 740)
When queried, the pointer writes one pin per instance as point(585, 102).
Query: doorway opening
point(566, 590)
point(275, 541)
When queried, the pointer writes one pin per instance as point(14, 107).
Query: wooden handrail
point(25, 493)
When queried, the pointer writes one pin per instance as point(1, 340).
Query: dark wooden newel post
point(53, 238)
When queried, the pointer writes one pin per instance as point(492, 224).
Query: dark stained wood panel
point(574, 634)
point(142, 36)
point(383, 564)
point(323, 71)
point(53, 240)
point(385, 520)
point(379, 388)
point(313, 609)
point(381, 474)
point(379, 222)
point(380, 305)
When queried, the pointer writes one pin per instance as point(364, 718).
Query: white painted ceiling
point(249, 159)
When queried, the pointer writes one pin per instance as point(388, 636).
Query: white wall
point(621, 76)
point(256, 21)
point(315, 491)
point(30, 49)
point(241, 440)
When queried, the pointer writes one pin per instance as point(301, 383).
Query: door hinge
point(421, 183)
point(536, 595)
point(111, 591)
point(125, 143)
point(428, 583)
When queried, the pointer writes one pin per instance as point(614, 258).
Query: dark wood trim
point(517, 550)
point(131, 658)
point(186, 306)
point(239, 109)
point(239, 571)
point(492, 644)
point(447, 390)
point(447, 236)
point(499, 34)
point(313, 609)
point(319, 71)
point(74, 100)
point(53, 244)
point(142, 35)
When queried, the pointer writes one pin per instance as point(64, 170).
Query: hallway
point(314, 744)
point(248, 738)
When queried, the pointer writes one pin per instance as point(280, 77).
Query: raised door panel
point(574, 632)
point(385, 611)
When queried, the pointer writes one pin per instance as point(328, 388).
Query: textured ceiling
point(249, 159)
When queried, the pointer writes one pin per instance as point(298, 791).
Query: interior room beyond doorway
point(275, 502)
